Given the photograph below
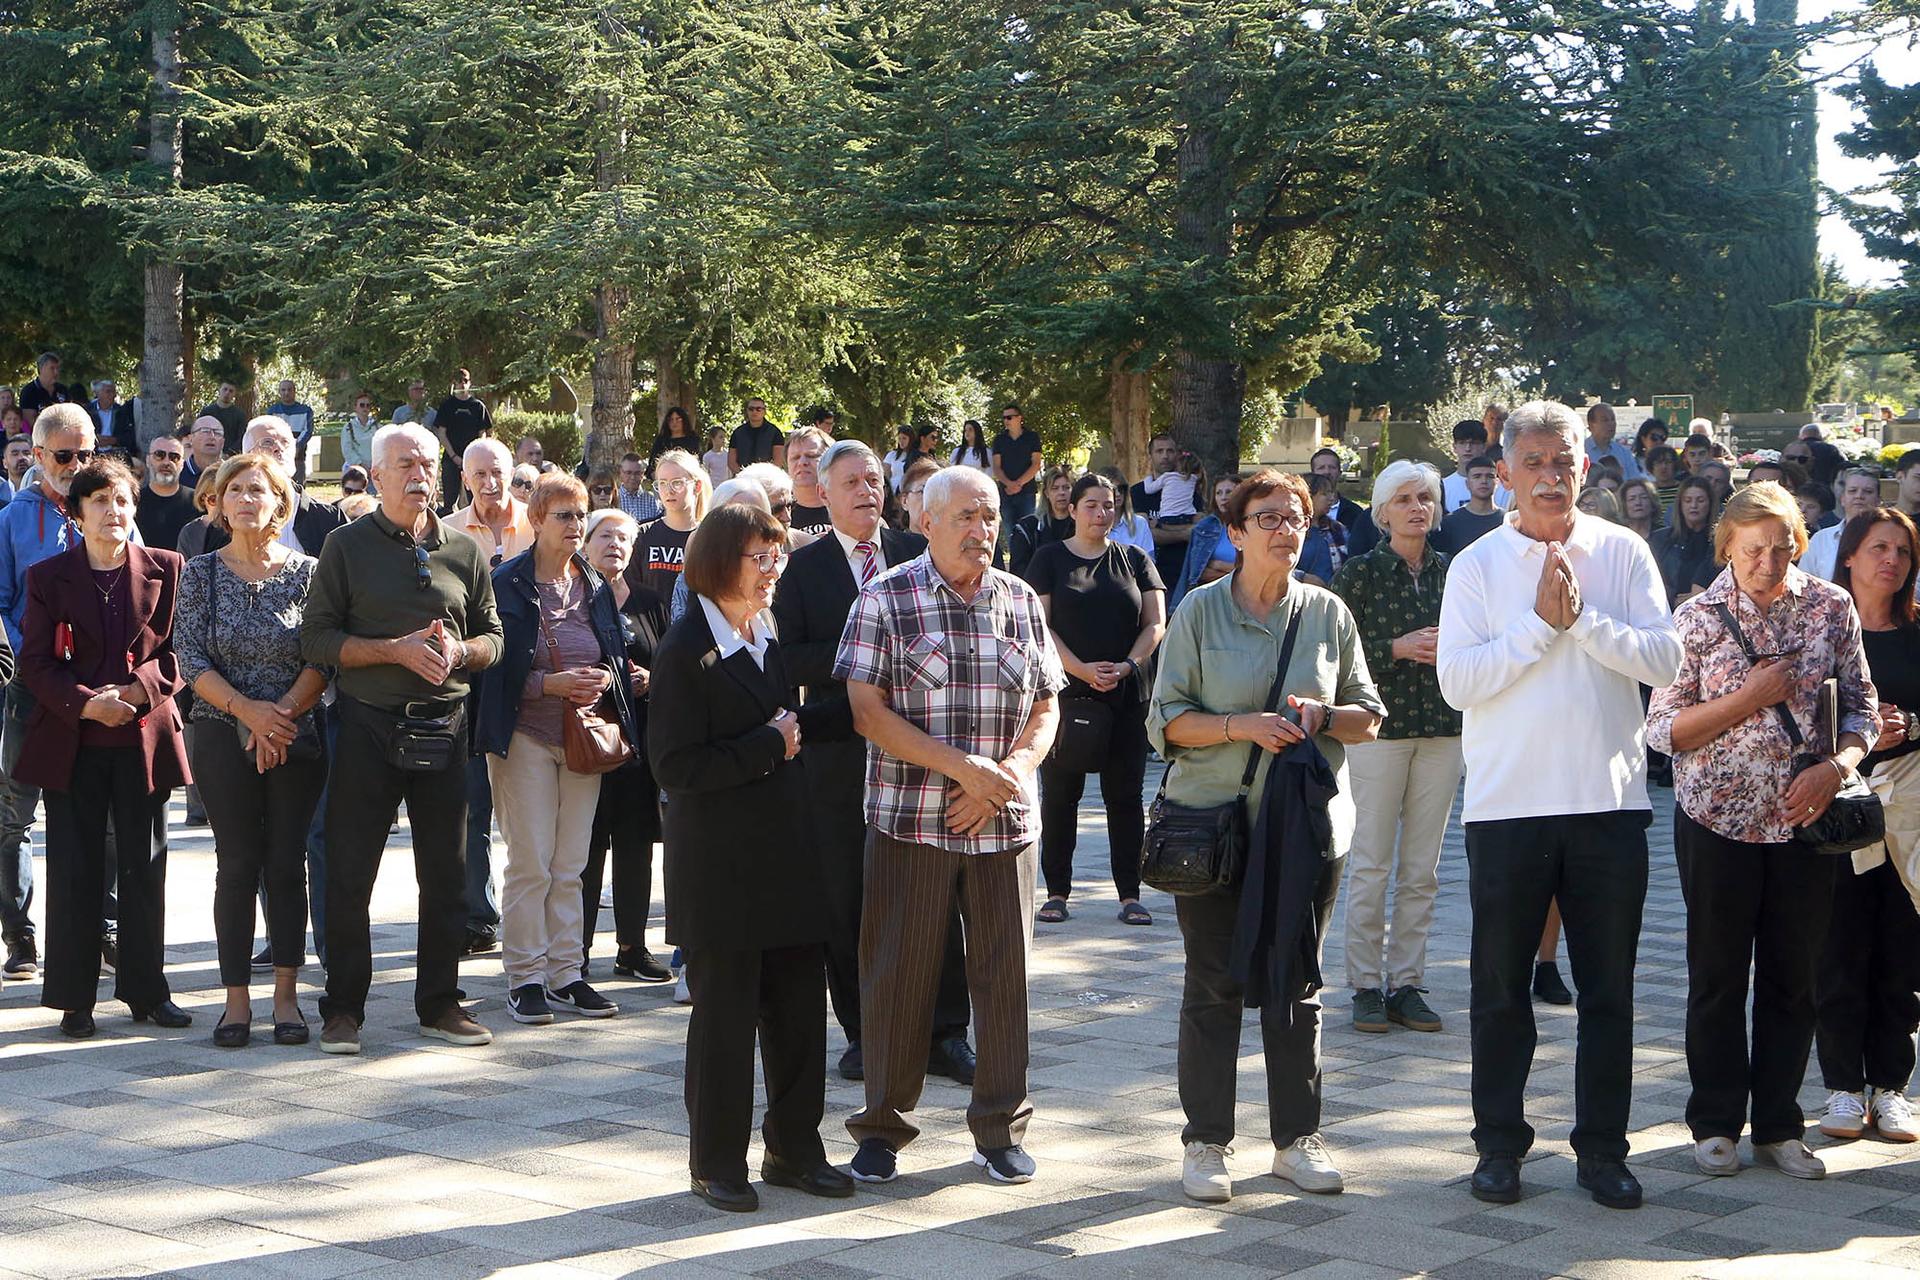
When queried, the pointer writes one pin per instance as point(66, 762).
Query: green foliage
point(559, 435)
point(1890, 132)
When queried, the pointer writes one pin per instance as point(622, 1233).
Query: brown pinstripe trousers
point(903, 931)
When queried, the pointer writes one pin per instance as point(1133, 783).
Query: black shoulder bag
point(1195, 850)
point(1855, 819)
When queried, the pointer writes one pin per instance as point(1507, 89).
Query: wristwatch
point(1913, 727)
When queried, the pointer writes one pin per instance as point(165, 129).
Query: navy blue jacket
point(497, 692)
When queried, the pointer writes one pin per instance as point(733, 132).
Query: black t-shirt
point(1144, 503)
point(659, 556)
point(1893, 660)
point(34, 396)
point(1017, 455)
point(1461, 528)
point(813, 520)
point(159, 519)
point(755, 444)
point(463, 421)
point(1095, 603)
point(233, 424)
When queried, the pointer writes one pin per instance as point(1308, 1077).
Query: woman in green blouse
point(1216, 668)
point(1403, 784)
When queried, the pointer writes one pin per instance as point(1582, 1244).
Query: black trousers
point(362, 802)
point(776, 994)
point(1596, 865)
point(260, 825)
point(627, 823)
point(109, 783)
point(1122, 779)
point(1758, 905)
point(1865, 998)
point(1210, 1014)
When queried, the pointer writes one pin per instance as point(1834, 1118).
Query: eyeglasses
point(423, 571)
point(767, 561)
point(64, 456)
point(1008, 417)
point(567, 517)
point(1273, 520)
point(672, 486)
point(778, 507)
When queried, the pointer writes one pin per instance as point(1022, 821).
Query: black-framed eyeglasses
point(422, 568)
point(1008, 417)
point(1274, 520)
point(64, 456)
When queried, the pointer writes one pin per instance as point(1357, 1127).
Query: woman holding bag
point(1870, 969)
point(1763, 634)
point(1106, 607)
point(1207, 718)
point(563, 655)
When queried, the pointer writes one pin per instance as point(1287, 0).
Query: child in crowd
point(1177, 489)
point(715, 458)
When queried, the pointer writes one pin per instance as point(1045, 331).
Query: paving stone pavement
point(561, 1150)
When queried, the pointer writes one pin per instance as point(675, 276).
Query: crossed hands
point(582, 686)
point(112, 706)
point(981, 788)
point(428, 652)
point(1558, 599)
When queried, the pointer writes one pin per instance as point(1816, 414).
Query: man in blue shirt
point(287, 407)
point(1601, 444)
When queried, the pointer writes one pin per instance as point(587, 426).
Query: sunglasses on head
point(64, 456)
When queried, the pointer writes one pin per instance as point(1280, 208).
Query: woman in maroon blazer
point(104, 738)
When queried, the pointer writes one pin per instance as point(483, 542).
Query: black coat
point(815, 596)
point(742, 869)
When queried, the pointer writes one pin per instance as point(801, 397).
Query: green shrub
point(559, 436)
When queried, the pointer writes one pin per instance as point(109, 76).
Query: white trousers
point(545, 814)
point(1403, 793)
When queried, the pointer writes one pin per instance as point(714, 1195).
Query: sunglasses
point(603, 488)
point(778, 507)
point(423, 571)
point(567, 517)
point(165, 455)
point(520, 484)
point(64, 456)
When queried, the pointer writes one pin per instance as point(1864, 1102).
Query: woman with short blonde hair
point(1753, 505)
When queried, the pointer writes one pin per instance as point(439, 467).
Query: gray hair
point(743, 486)
point(603, 516)
point(265, 422)
point(489, 447)
point(411, 433)
point(771, 479)
point(1397, 475)
point(60, 417)
point(1541, 417)
point(840, 450)
point(942, 484)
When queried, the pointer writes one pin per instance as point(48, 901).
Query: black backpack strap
point(1779, 708)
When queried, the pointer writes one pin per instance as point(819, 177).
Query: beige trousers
point(1402, 793)
point(545, 814)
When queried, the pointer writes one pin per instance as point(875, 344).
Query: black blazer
point(742, 869)
point(811, 605)
point(312, 522)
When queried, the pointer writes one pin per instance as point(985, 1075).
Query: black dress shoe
point(480, 942)
point(1610, 1181)
point(77, 1024)
point(164, 1014)
point(233, 1035)
point(1496, 1180)
point(821, 1180)
point(853, 1063)
point(952, 1058)
point(721, 1193)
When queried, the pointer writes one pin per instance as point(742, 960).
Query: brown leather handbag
point(591, 738)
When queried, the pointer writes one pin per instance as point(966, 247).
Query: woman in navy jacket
point(563, 646)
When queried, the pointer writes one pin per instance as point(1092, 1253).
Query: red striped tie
point(871, 565)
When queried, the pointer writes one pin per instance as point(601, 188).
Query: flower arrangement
point(1890, 455)
point(1349, 457)
point(1759, 456)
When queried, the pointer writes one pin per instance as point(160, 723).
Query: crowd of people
point(915, 660)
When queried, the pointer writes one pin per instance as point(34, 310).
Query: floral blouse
point(1735, 784)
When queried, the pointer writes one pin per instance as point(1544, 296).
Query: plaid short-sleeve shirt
point(966, 672)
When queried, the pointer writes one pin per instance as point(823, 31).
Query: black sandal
point(1134, 913)
point(1052, 911)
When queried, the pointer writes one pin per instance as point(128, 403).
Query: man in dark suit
point(312, 521)
point(112, 417)
point(811, 606)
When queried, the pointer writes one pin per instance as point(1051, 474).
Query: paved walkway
point(560, 1150)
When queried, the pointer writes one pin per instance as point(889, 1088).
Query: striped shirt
point(965, 672)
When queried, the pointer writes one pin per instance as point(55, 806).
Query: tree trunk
point(676, 388)
point(1129, 411)
point(612, 428)
point(163, 361)
point(1208, 387)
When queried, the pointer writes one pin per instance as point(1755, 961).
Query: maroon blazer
point(60, 590)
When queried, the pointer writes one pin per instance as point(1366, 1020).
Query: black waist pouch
point(424, 738)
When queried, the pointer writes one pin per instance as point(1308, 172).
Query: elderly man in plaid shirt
point(952, 675)
point(633, 498)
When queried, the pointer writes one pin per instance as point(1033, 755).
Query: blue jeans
point(483, 898)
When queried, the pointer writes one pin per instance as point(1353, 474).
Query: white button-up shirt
point(856, 560)
point(1553, 723)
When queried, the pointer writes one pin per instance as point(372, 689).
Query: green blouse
point(1218, 660)
point(1388, 600)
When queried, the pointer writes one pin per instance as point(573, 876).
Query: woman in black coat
point(744, 900)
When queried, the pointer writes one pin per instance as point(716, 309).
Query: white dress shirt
point(1822, 558)
point(731, 642)
point(1553, 723)
point(857, 561)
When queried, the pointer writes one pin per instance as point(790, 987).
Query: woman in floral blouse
point(1753, 895)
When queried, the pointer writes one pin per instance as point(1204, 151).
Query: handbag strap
point(1273, 699)
point(1779, 708)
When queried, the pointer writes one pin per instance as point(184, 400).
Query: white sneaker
point(1307, 1166)
point(1203, 1173)
point(1719, 1157)
point(1846, 1115)
point(606, 898)
point(682, 993)
point(1791, 1158)
point(1893, 1115)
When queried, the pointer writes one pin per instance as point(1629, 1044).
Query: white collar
point(848, 544)
point(730, 641)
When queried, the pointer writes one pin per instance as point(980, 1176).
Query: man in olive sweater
point(403, 607)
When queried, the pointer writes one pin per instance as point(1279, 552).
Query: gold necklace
point(106, 596)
